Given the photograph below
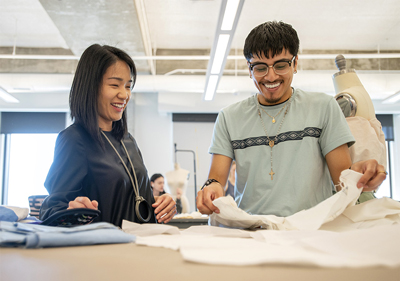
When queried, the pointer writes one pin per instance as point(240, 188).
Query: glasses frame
point(273, 66)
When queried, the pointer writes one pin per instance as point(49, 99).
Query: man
point(289, 145)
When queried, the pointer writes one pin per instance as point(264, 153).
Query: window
point(31, 156)
point(27, 143)
point(387, 187)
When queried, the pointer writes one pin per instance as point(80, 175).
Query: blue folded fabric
point(14, 234)
point(7, 214)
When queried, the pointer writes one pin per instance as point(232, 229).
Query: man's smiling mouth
point(271, 86)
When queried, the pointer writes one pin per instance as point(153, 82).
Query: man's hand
point(373, 174)
point(165, 208)
point(206, 196)
point(83, 202)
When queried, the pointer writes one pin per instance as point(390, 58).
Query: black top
point(81, 167)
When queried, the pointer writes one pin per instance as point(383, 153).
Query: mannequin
point(357, 107)
point(359, 111)
point(177, 181)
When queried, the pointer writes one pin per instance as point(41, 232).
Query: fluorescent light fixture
point(392, 99)
point(7, 97)
point(220, 51)
point(211, 87)
point(229, 15)
point(227, 21)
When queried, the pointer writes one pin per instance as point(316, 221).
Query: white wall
point(152, 131)
point(196, 137)
point(156, 135)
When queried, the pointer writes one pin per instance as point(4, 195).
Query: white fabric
point(370, 140)
point(377, 246)
point(336, 233)
point(372, 213)
point(148, 229)
point(312, 219)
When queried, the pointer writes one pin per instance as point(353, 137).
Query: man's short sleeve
point(221, 140)
point(336, 131)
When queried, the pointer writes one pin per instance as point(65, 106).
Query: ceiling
point(55, 33)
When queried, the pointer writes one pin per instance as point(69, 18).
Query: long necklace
point(271, 142)
point(273, 117)
point(138, 199)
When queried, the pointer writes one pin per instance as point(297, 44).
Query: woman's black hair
point(155, 177)
point(85, 90)
point(270, 38)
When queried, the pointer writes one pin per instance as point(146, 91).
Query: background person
point(157, 184)
point(87, 171)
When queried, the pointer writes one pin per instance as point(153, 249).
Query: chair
point(35, 201)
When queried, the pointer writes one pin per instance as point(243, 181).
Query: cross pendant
point(272, 174)
point(271, 143)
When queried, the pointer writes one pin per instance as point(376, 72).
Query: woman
point(97, 163)
point(157, 184)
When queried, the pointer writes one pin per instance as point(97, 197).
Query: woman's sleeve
point(66, 176)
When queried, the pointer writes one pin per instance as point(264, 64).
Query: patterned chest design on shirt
point(286, 136)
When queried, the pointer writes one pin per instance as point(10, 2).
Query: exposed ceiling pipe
point(144, 27)
point(301, 56)
point(183, 70)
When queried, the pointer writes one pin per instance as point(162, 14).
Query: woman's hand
point(165, 208)
point(83, 202)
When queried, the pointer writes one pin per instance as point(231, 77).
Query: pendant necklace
point(273, 117)
point(271, 142)
point(139, 200)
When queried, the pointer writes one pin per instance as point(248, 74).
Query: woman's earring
point(295, 72)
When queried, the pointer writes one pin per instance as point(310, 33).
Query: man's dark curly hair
point(270, 38)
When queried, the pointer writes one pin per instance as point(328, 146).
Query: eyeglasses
point(260, 69)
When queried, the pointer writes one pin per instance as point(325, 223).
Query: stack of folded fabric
point(15, 232)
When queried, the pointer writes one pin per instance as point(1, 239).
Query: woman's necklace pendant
point(273, 120)
point(271, 143)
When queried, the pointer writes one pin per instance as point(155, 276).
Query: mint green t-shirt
point(314, 125)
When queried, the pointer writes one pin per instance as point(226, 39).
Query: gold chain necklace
point(273, 117)
point(271, 142)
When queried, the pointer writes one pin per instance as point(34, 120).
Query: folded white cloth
point(148, 229)
point(377, 246)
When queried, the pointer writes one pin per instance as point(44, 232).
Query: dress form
point(359, 111)
point(177, 181)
